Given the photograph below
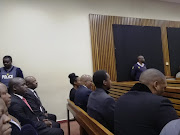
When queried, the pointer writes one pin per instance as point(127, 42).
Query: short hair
point(7, 56)
point(98, 78)
point(73, 78)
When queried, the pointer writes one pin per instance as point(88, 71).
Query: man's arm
point(166, 113)
point(19, 73)
point(109, 112)
point(133, 72)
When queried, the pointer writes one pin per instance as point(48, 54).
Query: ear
point(104, 82)
point(14, 88)
point(155, 84)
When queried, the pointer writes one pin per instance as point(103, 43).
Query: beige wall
point(51, 38)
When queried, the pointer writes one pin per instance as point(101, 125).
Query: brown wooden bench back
point(172, 93)
point(90, 125)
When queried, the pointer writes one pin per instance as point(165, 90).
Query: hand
point(48, 122)
point(46, 114)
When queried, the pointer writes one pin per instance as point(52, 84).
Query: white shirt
point(12, 121)
point(142, 65)
point(21, 97)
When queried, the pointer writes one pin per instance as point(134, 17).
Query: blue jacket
point(81, 97)
point(136, 71)
point(101, 107)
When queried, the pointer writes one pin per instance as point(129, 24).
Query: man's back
point(140, 112)
point(101, 107)
point(81, 97)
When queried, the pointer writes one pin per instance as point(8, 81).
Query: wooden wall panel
point(103, 52)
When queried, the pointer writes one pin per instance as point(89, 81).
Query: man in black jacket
point(21, 110)
point(142, 111)
point(100, 104)
point(34, 100)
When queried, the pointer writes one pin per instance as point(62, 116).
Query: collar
point(31, 90)
point(9, 70)
point(142, 65)
point(140, 87)
point(101, 89)
point(21, 97)
point(84, 86)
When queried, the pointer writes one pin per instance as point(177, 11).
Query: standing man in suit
point(83, 92)
point(138, 68)
point(142, 111)
point(100, 104)
point(9, 71)
point(21, 109)
point(34, 100)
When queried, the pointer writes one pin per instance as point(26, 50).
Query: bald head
point(31, 82)
point(5, 95)
point(18, 86)
point(86, 80)
point(155, 80)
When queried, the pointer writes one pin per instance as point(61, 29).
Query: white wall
point(51, 38)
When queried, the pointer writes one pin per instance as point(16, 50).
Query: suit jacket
point(172, 128)
point(139, 112)
point(101, 107)
point(21, 111)
point(81, 97)
point(35, 104)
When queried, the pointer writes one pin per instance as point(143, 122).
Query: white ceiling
point(173, 1)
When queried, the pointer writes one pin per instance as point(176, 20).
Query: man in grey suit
point(100, 104)
point(172, 128)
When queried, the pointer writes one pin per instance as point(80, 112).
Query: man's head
point(86, 80)
point(101, 79)
point(141, 59)
point(5, 127)
point(155, 80)
point(31, 82)
point(5, 95)
point(18, 86)
point(7, 61)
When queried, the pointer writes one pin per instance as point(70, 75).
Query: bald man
point(138, 68)
point(21, 109)
point(35, 102)
point(142, 110)
point(83, 92)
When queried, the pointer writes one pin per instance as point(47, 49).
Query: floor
point(74, 128)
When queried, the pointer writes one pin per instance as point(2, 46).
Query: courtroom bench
point(87, 123)
point(172, 93)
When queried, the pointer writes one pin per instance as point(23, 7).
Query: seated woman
point(75, 81)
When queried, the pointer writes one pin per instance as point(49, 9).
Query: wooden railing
point(90, 125)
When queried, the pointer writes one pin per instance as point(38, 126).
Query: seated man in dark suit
point(83, 92)
point(142, 111)
point(100, 104)
point(5, 127)
point(21, 110)
point(15, 124)
point(35, 102)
